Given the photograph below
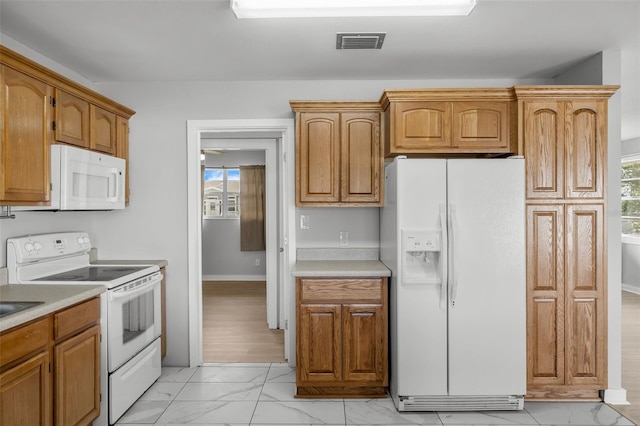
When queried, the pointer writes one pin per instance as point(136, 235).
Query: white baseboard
point(616, 396)
point(234, 278)
point(631, 288)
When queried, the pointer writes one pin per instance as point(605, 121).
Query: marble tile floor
point(262, 394)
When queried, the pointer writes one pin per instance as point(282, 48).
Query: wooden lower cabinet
point(24, 392)
point(566, 305)
point(50, 369)
point(77, 378)
point(342, 336)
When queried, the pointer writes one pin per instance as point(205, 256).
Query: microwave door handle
point(119, 294)
point(117, 175)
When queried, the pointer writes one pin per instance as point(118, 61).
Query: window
point(221, 193)
point(631, 195)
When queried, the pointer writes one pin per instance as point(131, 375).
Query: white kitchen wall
point(221, 255)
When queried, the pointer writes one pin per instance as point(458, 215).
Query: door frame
point(280, 246)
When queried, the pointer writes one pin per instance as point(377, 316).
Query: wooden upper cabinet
point(418, 126)
point(103, 130)
point(544, 148)
point(449, 121)
point(71, 119)
point(563, 136)
point(361, 165)
point(318, 158)
point(481, 125)
point(586, 148)
point(338, 154)
point(122, 150)
point(25, 132)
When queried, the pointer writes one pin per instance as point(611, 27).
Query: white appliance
point(453, 234)
point(130, 318)
point(84, 180)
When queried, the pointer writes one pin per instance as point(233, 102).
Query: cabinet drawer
point(24, 340)
point(341, 290)
point(76, 318)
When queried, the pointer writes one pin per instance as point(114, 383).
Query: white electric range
point(130, 310)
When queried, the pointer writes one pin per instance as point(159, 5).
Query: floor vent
point(460, 403)
point(359, 40)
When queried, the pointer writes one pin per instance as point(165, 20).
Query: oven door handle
point(119, 294)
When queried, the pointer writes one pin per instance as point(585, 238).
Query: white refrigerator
point(453, 234)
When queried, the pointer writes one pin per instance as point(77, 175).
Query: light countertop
point(340, 268)
point(339, 262)
point(55, 298)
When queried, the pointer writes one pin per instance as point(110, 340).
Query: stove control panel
point(30, 248)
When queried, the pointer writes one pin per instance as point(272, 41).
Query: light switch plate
point(344, 238)
point(304, 221)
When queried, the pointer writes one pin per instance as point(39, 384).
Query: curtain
point(252, 208)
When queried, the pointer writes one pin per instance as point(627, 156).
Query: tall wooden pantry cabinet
point(562, 132)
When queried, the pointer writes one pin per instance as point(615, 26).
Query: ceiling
point(197, 40)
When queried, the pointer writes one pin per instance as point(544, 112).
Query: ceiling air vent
point(359, 40)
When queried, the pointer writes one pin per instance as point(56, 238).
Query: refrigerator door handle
point(453, 229)
point(443, 256)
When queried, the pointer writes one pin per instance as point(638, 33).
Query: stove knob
point(28, 247)
point(37, 245)
point(80, 240)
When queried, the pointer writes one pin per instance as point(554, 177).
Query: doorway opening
point(276, 139)
point(234, 287)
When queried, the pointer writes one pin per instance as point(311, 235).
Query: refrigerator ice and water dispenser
point(421, 256)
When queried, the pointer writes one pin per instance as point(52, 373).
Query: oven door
point(133, 317)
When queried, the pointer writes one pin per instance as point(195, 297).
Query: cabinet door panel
point(545, 294)
point(364, 343)
point(24, 393)
point(544, 149)
point(545, 230)
point(103, 130)
point(320, 355)
point(77, 378)
point(546, 344)
point(420, 125)
point(72, 119)
point(480, 125)
point(25, 132)
point(585, 331)
point(361, 157)
point(586, 148)
point(122, 150)
point(319, 157)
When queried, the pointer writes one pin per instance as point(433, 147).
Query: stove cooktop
point(94, 273)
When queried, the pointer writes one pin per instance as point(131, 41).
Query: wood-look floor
point(234, 325)
point(630, 356)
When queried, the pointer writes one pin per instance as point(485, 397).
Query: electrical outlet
point(257, 262)
point(344, 238)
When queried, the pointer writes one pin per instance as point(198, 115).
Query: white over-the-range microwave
point(84, 180)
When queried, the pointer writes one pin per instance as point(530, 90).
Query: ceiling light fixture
point(349, 8)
